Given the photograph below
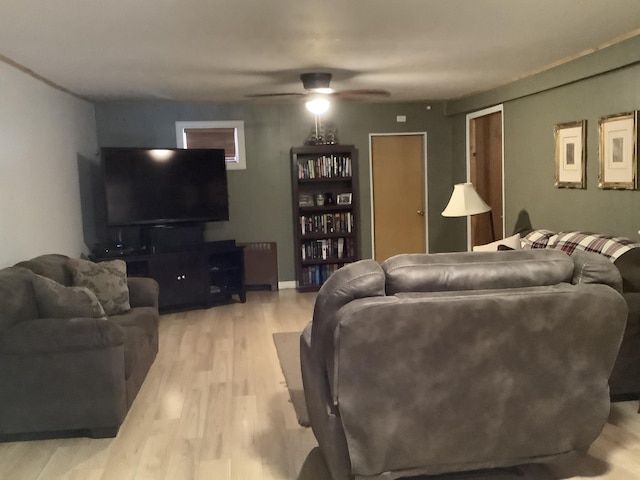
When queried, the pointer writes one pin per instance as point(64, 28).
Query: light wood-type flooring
point(214, 406)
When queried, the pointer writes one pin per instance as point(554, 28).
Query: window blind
point(213, 138)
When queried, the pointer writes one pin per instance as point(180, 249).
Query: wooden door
point(485, 172)
point(398, 190)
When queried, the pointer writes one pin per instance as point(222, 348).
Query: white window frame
point(240, 162)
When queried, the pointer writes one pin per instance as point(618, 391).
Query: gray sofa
point(429, 364)
point(64, 366)
point(624, 253)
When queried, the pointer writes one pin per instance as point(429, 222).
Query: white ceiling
point(222, 50)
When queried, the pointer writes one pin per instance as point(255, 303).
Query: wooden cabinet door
point(182, 278)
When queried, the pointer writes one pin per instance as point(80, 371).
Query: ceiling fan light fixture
point(318, 105)
point(316, 81)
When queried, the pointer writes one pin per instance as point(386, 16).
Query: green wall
point(603, 83)
point(260, 196)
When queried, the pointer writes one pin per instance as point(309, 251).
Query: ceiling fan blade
point(267, 95)
point(370, 92)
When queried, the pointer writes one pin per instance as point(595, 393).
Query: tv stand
point(171, 238)
point(203, 275)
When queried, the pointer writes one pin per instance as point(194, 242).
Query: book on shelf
point(328, 249)
point(326, 166)
point(327, 223)
point(318, 274)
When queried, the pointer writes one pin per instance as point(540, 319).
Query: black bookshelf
point(326, 232)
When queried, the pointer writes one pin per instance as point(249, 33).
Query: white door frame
point(426, 186)
point(472, 116)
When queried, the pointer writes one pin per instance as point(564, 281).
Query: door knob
point(421, 213)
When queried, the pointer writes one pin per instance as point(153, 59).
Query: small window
point(228, 135)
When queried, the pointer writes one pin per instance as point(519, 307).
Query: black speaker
point(170, 238)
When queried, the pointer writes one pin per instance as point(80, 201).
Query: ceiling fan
point(319, 83)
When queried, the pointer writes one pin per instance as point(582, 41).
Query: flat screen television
point(146, 186)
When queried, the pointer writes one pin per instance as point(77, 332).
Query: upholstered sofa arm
point(629, 266)
point(143, 292)
point(360, 279)
point(594, 268)
point(59, 335)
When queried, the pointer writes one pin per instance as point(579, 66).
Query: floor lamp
point(464, 202)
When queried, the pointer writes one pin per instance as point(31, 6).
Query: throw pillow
point(540, 238)
point(513, 242)
point(57, 301)
point(108, 280)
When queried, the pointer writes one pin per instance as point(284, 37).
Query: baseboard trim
point(283, 285)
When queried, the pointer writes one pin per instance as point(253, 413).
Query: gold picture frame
point(618, 151)
point(571, 154)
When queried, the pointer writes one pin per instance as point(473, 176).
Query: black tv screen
point(160, 186)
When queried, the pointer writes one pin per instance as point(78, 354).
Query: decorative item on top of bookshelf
point(344, 199)
point(570, 154)
point(618, 151)
point(326, 230)
point(322, 134)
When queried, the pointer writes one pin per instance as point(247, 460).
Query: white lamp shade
point(465, 201)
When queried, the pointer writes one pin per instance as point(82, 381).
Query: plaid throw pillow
point(539, 239)
point(610, 247)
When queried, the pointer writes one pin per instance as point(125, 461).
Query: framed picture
point(618, 151)
point(305, 200)
point(343, 199)
point(570, 154)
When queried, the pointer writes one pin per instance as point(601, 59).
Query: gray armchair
point(429, 364)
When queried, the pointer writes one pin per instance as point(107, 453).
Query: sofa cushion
point(17, 300)
point(66, 335)
point(512, 242)
point(108, 280)
point(52, 265)
point(417, 272)
point(145, 318)
point(57, 301)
